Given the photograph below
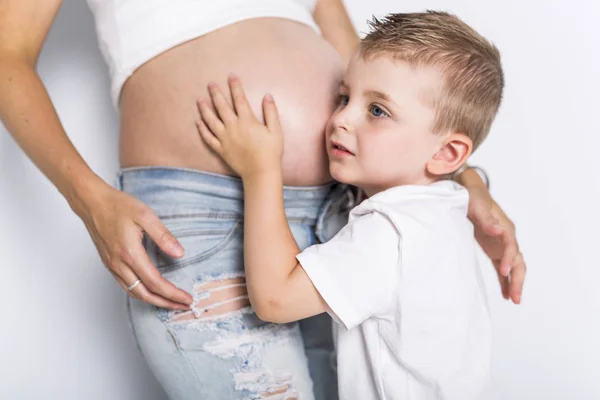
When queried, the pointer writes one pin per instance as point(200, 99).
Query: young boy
point(402, 276)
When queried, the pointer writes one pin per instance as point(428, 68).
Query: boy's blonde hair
point(470, 66)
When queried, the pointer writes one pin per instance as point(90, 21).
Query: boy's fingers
point(240, 102)
point(271, 114)
point(210, 118)
point(223, 108)
point(211, 140)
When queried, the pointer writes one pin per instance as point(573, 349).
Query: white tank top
point(131, 32)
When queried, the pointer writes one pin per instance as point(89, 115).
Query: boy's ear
point(456, 149)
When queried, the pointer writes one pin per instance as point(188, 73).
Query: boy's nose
point(341, 121)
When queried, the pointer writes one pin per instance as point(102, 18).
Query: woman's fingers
point(225, 111)
point(146, 296)
point(140, 292)
point(155, 284)
point(511, 250)
point(122, 283)
point(503, 280)
point(211, 119)
point(158, 232)
point(517, 278)
point(271, 114)
point(492, 227)
point(240, 102)
point(137, 259)
point(116, 222)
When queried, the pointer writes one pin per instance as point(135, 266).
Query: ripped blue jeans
point(220, 349)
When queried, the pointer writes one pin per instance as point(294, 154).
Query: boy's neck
point(370, 191)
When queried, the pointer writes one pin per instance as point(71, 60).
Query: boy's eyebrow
point(373, 93)
point(380, 95)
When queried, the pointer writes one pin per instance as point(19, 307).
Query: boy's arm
point(353, 276)
point(278, 287)
point(336, 27)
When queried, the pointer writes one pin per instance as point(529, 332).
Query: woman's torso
point(270, 55)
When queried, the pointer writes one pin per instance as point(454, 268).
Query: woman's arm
point(25, 108)
point(114, 219)
point(495, 233)
point(336, 27)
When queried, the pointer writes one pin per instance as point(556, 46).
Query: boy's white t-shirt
point(402, 279)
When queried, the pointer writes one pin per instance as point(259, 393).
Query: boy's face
point(380, 134)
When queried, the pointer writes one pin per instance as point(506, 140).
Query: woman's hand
point(116, 222)
point(249, 147)
point(495, 233)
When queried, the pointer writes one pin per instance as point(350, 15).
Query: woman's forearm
point(336, 27)
point(470, 178)
point(269, 247)
point(29, 116)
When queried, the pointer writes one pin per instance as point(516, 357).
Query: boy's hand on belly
point(250, 147)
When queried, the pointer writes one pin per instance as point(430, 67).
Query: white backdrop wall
point(63, 329)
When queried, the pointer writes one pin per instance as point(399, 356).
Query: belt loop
point(119, 180)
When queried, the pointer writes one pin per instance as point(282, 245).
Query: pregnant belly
point(282, 57)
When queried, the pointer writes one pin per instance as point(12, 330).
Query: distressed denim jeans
point(220, 349)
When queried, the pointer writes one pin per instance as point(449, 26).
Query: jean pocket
point(201, 239)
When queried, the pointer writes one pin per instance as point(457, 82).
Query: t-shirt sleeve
point(357, 271)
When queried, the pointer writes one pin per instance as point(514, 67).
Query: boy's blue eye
point(344, 99)
point(377, 111)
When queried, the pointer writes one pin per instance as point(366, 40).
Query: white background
point(63, 328)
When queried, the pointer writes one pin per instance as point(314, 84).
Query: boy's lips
point(340, 149)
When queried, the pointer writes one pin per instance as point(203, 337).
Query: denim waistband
point(180, 192)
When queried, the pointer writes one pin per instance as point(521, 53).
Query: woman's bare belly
point(158, 103)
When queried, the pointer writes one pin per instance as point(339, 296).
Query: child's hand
point(249, 147)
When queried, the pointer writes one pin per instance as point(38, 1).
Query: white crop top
point(131, 32)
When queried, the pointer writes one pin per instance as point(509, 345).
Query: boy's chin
point(339, 174)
